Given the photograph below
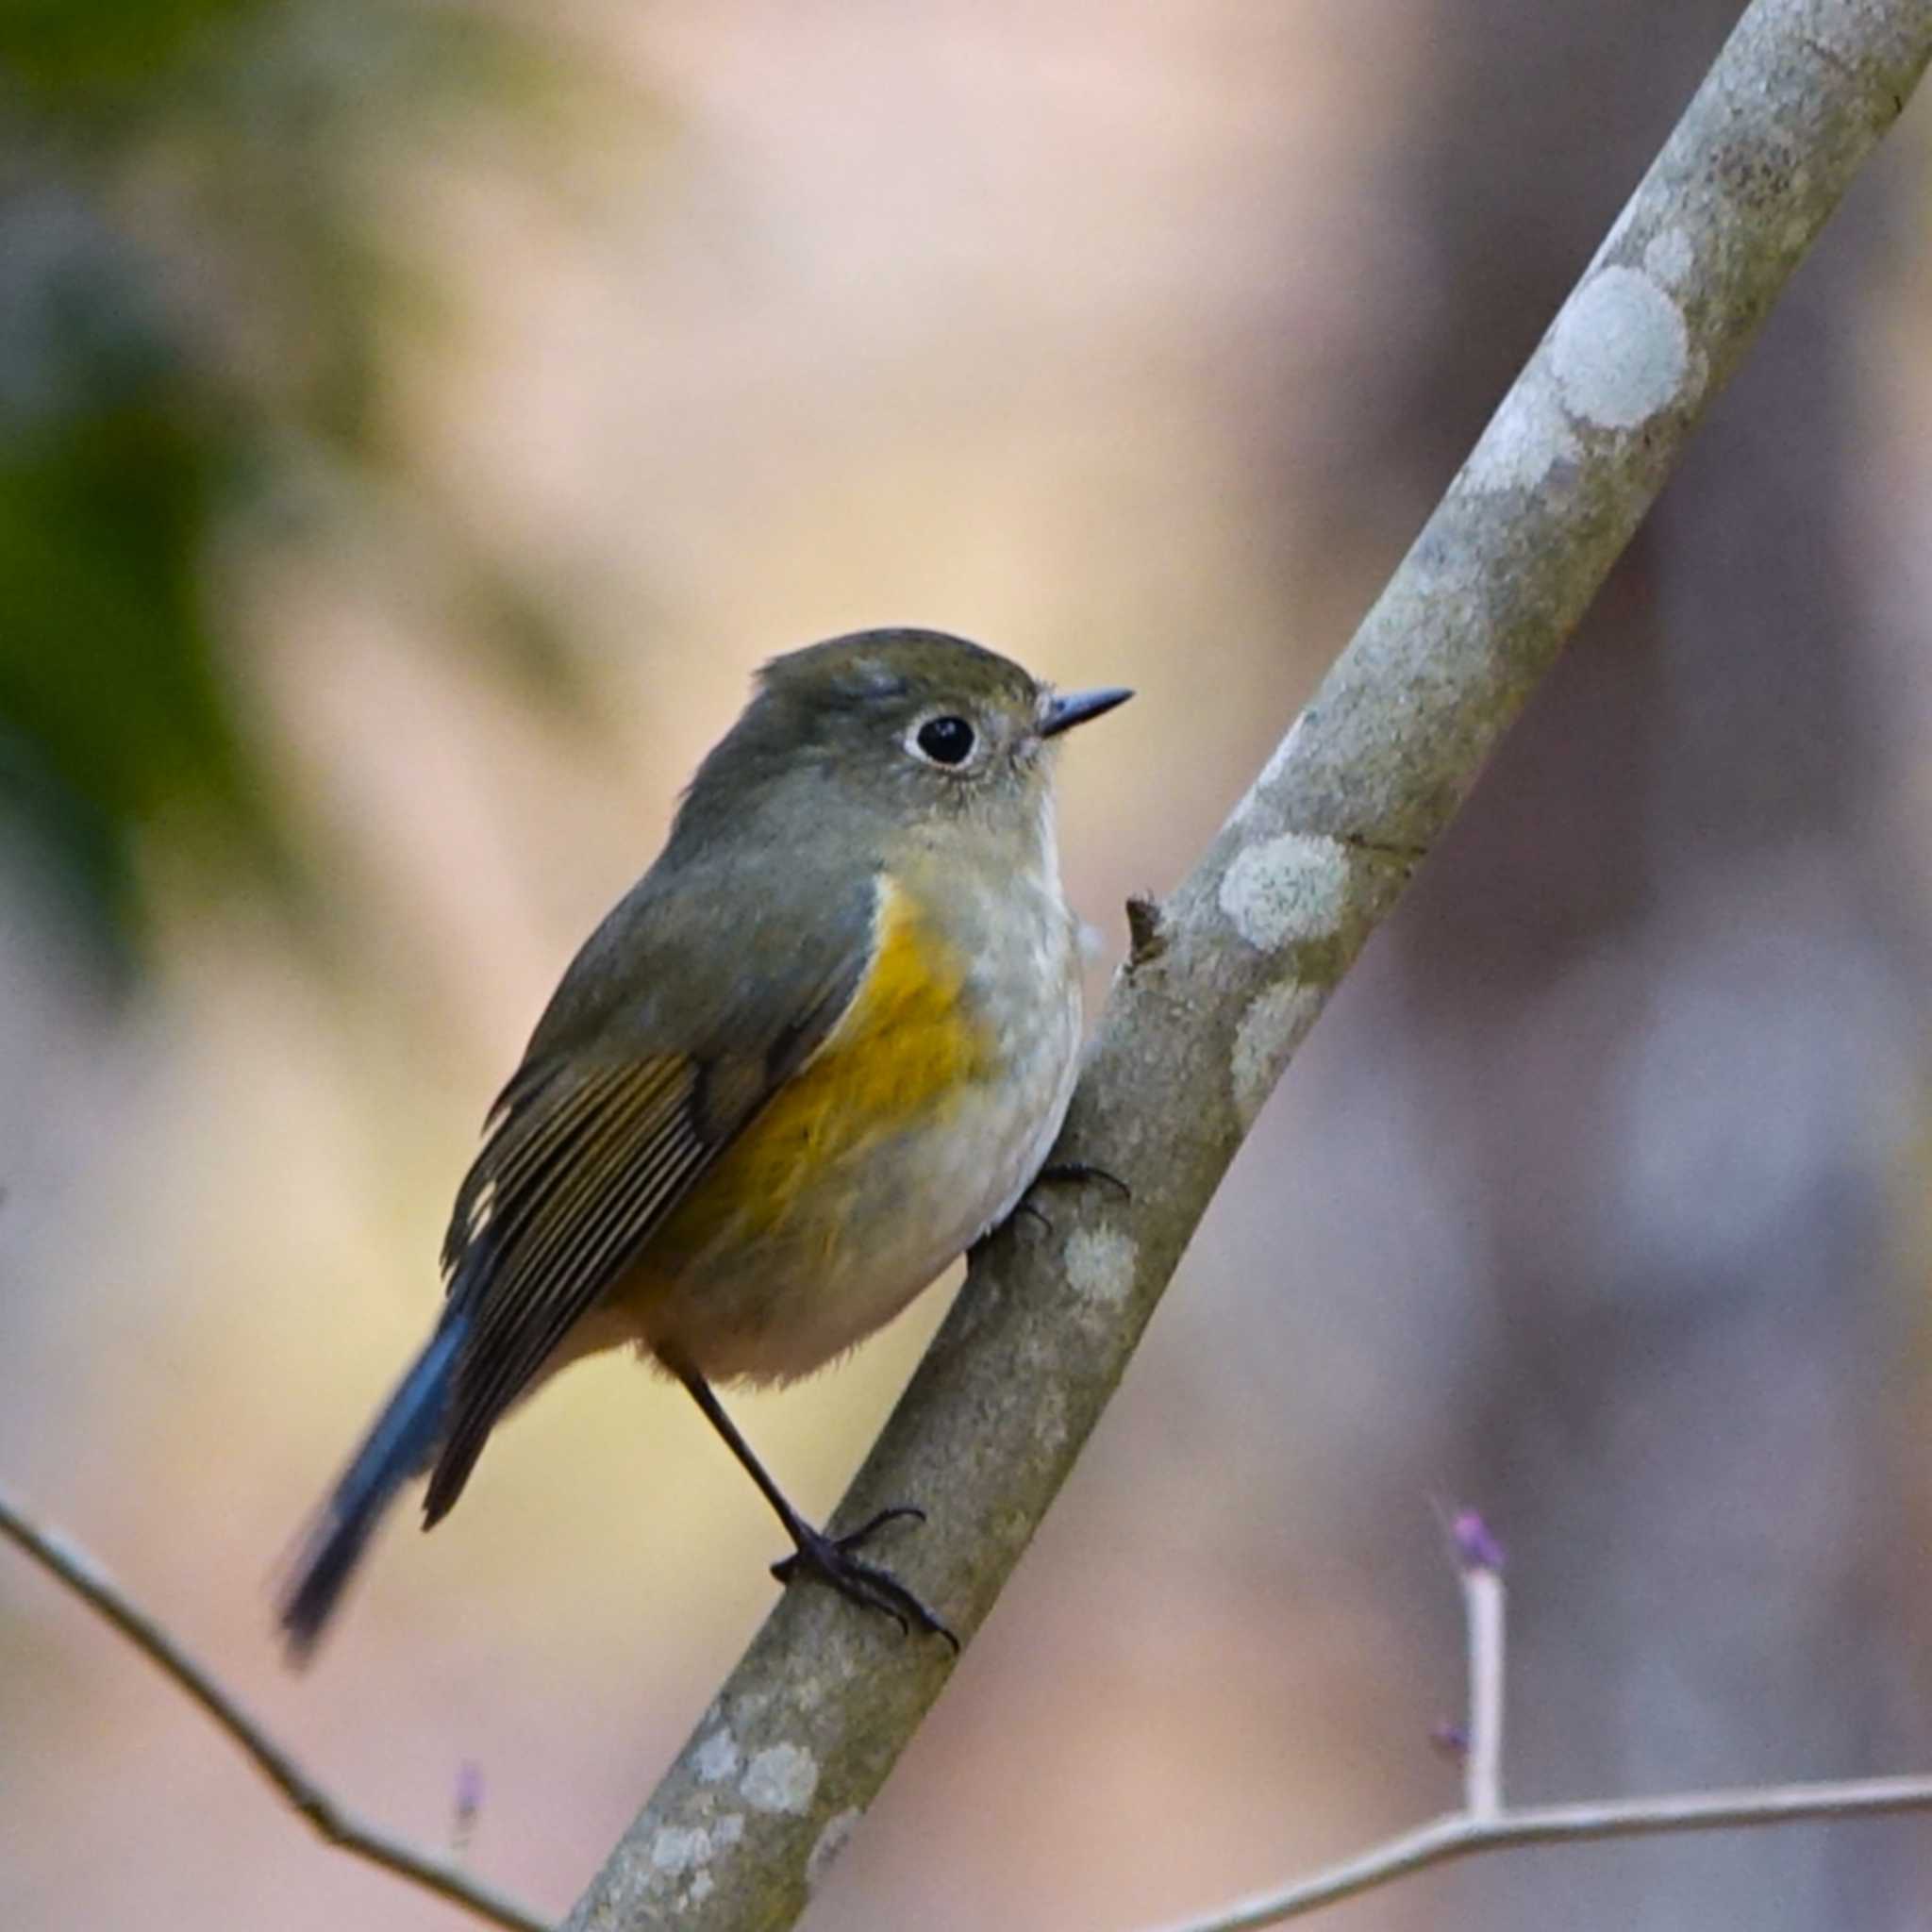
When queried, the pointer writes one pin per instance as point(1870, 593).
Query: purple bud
point(1452, 1740)
point(469, 1796)
point(1476, 1547)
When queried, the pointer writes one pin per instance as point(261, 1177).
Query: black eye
point(946, 741)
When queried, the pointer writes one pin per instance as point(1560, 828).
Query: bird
point(821, 1047)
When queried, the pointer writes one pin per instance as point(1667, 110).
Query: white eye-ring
point(946, 739)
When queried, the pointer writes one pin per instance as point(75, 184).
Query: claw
point(1082, 1171)
point(835, 1560)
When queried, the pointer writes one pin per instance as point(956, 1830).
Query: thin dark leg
point(832, 1559)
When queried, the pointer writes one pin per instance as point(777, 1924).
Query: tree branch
point(1460, 1836)
point(333, 1819)
point(1482, 1826)
point(1485, 1824)
point(1201, 1025)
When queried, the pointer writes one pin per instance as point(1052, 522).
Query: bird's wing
point(604, 1131)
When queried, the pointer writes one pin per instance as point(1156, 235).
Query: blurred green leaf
point(154, 385)
point(113, 711)
point(76, 54)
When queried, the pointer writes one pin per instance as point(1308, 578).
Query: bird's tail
point(401, 1444)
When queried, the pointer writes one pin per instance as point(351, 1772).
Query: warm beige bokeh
point(1040, 324)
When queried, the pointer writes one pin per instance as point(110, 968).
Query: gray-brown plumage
point(817, 1049)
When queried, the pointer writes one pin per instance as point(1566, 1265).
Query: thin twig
point(70, 1564)
point(1479, 1558)
point(1486, 1824)
point(1459, 1836)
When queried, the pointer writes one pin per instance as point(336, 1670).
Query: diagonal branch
point(333, 1819)
point(1225, 978)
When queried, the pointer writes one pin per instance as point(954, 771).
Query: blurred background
point(416, 421)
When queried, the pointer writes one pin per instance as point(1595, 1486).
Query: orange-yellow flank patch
point(900, 1054)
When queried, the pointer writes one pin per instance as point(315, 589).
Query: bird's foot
point(836, 1561)
point(1034, 1214)
point(1061, 1173)
point(1080, 1171)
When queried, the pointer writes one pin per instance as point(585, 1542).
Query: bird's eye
point(945, 740)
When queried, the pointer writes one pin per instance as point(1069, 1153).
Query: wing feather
point(585, 1157)
point(628, 1178)
point(531, 1137)
point(556, 1232)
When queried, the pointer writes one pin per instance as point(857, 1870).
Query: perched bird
point(817, 1051)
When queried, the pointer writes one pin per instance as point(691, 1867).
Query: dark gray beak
point(1072, 708)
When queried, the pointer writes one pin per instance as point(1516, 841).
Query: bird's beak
point(1067, 709)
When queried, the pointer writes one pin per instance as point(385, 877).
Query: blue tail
point(402, 1444)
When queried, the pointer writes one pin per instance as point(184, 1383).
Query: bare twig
point(1479, 1558)
point(1459, 1836)
point(71, 1565)
point(1253, 944)
point(1487, 1825)
point(1483, 1825)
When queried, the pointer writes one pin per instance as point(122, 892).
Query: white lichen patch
point(680, 1848)
point(782, 1778)
point(1667, 256)
point(681, 1856)
point(1620, 350)
point(1100, 1265)
point(716, 1758)
point(828, 1844)
point(1529, 436)
point(1274, 1023)
point(1292, 887)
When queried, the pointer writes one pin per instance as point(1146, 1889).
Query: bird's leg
point(832, 1559)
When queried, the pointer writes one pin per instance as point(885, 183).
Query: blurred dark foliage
point(195, 279)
